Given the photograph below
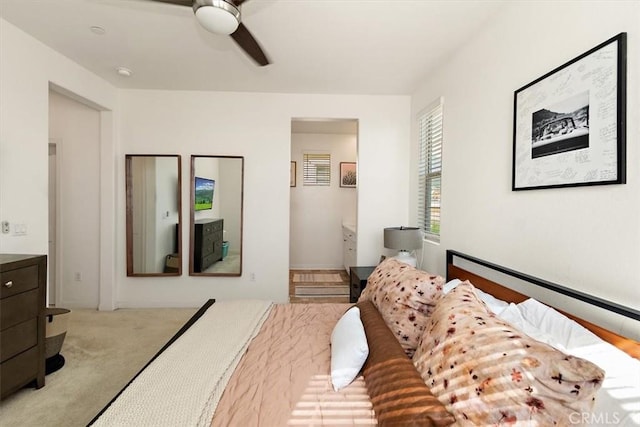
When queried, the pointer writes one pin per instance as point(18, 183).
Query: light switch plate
point(5, 227)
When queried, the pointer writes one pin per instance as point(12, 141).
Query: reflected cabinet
point(153, 200)
point(216, 206)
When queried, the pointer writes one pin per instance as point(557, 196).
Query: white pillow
point(512, 315)
point(563, 330)
point(448, 287)
point(349, 349)
point(616, 402)
point(495, 305)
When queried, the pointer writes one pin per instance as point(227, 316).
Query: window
point(430, 169)
point(317, 169)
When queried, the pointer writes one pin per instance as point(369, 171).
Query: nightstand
point(358, 281)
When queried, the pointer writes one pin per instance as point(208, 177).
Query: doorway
point(320, 207)
point(52, 262)
point(74, 202)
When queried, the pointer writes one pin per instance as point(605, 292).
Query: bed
point(253, 363)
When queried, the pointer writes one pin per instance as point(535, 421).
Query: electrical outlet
point(253, 277)
point(5, 227)
point(77, 276)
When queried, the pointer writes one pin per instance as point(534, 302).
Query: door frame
point(57, 257)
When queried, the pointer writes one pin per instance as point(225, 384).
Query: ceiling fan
point(224, 17)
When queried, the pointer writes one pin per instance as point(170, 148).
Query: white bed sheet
point(618, 400)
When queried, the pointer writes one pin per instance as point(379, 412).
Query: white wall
point(227, 195)
point(258, 127)
point(586, 238)
point(318, 212)
point(165, 208)
point(27, 68)
point(76, 127)
point(253, 125)
point(231, 201)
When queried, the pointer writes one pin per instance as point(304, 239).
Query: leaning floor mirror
point(217, 184)
point(154, 217)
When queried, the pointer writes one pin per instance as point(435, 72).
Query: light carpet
point(103, 351)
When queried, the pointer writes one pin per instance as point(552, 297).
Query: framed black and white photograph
point(569, 126)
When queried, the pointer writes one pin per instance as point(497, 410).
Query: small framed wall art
point(348, 177)
point(569, 126)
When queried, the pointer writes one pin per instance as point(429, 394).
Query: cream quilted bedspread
point(183, 385)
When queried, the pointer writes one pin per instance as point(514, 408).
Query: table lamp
point(405, 240)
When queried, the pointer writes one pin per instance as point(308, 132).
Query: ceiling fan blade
point(238, 2)
point(188, 3)
point(249, 44)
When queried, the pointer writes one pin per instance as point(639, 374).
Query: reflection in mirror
point(216, 215)
point(154, 233)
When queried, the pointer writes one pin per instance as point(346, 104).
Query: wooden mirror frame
point(192, 267)
point(175, 263)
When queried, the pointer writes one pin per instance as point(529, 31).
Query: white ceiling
point(316, 46)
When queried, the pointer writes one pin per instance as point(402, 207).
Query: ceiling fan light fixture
point(217, 16)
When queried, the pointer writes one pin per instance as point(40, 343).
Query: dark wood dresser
point(23, 282)
point(207, 243)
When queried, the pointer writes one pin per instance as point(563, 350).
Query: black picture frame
point(348, 175)
point(569, 126)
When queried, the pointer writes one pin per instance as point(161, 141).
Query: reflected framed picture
point(348, 177)
point(292, 176)
point(569, 126)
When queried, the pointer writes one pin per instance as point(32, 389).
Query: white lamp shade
point(403, 238)
point(217, 20)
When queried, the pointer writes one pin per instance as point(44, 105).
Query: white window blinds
point(316, 169)
point(430, 169)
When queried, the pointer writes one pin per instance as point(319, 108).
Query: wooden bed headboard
point(628, 345)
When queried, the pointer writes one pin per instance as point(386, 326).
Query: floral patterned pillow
point(486, 371)
point(405, 297)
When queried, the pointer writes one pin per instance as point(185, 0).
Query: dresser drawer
point(18, 338)
point(217, 226)
point(211, 227)
point(207, 245)
point(208, 260)
point(18, 371)
point(19, 280)
point(207, 228)
point(18, 308)
point(217, 249)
